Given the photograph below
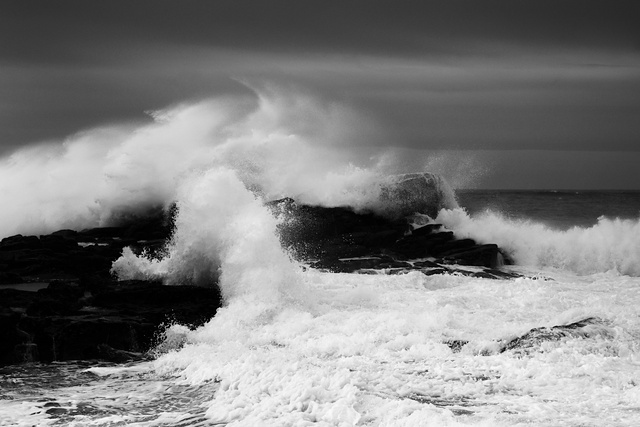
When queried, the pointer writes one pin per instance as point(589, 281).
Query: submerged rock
point(585, 328)
point(532, 341)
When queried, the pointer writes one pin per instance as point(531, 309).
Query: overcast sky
point(550, 86)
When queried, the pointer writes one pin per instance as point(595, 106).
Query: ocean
point(293, 346)
point(559, 209)
point(296, 347)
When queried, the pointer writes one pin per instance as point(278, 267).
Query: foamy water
point(611, 244)
point(370, 350)
point(296, 347)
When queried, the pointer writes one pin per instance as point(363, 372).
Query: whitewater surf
point(293, 346)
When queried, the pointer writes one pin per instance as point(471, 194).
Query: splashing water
point(372, 350)
point(279, 143)
point(611, 244)
point(295, 347)
point(222, 232)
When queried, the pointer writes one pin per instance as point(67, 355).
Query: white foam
point(611, 244)
point(223, 235)
point(371, 350)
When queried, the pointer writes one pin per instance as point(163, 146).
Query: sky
point(519, 94)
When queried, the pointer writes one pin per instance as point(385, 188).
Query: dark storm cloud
point(70, 30)
point(513, 74)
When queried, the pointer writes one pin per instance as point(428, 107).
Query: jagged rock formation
point(405, 194)
point(341, 240)
point(81, 312)
point(112, 321)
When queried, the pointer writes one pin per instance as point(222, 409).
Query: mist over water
point(275, 143)
point(280, 143)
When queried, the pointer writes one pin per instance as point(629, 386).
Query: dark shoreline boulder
point(66, 321)
point(405, 194)
point(81, 312)
point(338, 239)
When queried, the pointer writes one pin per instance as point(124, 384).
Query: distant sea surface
point(562, 209)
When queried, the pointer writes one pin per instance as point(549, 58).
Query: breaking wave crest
point(223, 234)
point(279, 143)
point(610, 245)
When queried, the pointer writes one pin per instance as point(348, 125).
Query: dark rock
point(426, 264)
point(56, 242)
point(15, 343)
point(118, 356)
point(494, 273)
point(426, 229)
point(19, 242)
point(484, 255)
point(56, 411)
point(317, 232)
point(416, 246)
point(14, 299)
point(531, 341)
point(83, 313)
point(9, 278)
point(55, 324)
point(406, 194)
point(80, 337)
point(455, 246)
point(434, 271)
point(376, 239)
point(68, 234)
point(585, 328)
point(351, 265)
point(60, 298)
point(101, 233)
point(456, 345)
point(185, 304)
point(338, 239)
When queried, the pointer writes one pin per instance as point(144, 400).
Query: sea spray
point(223, 234)
point(611, 244)
point(280, 143)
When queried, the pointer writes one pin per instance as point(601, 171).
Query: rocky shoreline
point(340, 240)
point(82, 313)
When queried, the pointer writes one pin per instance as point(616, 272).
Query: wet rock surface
point(533, 340)
point(111, 320)
point(59, 302)
point(402, 195)
point(341, 240)
point(118, 321)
